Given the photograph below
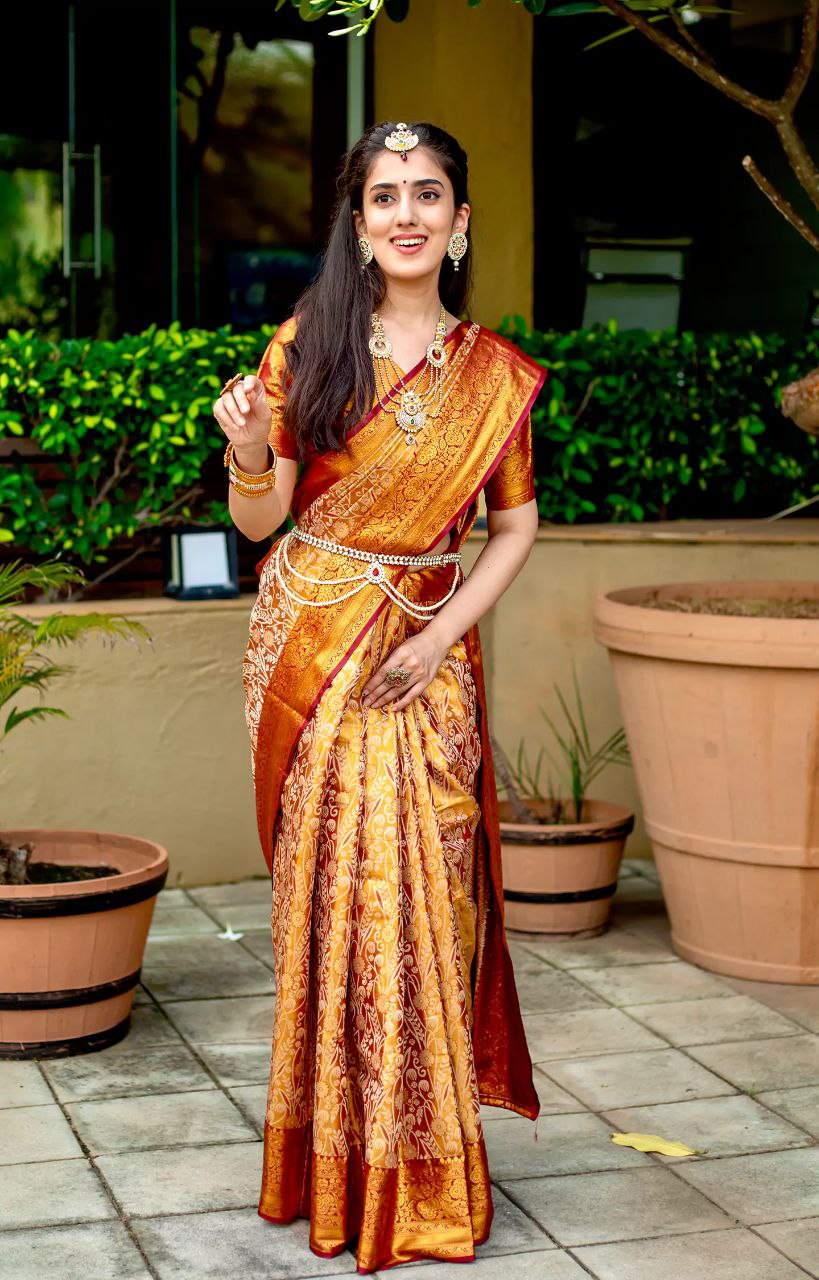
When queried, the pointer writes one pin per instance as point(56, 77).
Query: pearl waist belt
point(375, 573)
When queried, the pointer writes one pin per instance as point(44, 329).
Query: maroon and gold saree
point(396, 1009)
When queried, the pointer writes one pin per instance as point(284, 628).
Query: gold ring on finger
point(231, 383)
point(397, 677)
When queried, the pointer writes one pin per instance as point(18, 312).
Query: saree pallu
point(396, 1011)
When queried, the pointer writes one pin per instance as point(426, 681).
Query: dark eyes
point(430, 192)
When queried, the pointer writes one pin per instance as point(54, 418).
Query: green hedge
point(639, 425)
point(128, 426)
point(629, 426)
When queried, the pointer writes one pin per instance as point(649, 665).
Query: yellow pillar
point(470, 72)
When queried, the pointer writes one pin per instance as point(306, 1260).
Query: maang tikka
point(401, 140)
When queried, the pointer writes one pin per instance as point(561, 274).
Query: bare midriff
point(443, 545)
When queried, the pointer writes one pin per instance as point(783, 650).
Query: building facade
point(176, 160)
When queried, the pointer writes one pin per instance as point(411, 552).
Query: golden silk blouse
point(510, 485)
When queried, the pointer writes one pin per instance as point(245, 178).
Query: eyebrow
point(419, 182)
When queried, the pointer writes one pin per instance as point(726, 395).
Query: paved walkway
point(144, 1159)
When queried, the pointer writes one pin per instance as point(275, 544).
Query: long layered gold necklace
point(416, 402)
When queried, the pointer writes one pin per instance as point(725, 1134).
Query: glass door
point(260, 128)
point(171, 160)
point(54, 252)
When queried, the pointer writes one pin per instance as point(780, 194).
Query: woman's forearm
point(497, 566)
point(511, 534)
point(258, 518)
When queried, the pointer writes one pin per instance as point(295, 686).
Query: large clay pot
point(722, 718)
point(71, 951)
point(559, 879)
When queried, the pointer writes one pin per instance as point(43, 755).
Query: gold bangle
point(265, 477)
point(245, 491)
point(262, 486)
point(250, 477)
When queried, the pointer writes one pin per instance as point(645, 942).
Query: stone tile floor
point(144, 1159)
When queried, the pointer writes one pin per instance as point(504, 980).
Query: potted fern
point(75, 905)
point(561, 849)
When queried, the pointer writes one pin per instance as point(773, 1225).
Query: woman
point(396, 1010)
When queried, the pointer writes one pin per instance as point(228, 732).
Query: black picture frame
point(172, 573)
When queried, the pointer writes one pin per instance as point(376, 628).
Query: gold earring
point(457, 247)
point(366, 251)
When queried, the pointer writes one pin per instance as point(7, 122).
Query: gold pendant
point(411, 415)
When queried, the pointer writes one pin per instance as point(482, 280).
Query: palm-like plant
point(577, 765)
point(24, 666)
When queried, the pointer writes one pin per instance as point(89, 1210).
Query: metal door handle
point(66, 209)
point(97, 212)
point(70, 157)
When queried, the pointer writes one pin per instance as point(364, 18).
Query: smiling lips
point(409, 244)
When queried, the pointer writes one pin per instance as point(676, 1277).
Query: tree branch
point(799, 157)
point(778, 111)
point(765, 107)
point(115, 475)
point(807, 56)
point(691, 40)
point(781, 204)
point(149, 545)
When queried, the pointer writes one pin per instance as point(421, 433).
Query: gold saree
point(396, 1011)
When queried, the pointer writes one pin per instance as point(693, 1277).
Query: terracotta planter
point(560, 879)
point(722, 718)
point(71, 952)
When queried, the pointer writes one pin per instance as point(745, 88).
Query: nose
point(405, 214)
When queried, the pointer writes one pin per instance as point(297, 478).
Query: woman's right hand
point(244, 414)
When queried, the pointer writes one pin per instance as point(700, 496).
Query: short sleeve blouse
point(512, 482)
point(272, 370)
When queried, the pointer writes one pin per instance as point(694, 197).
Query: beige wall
point(470, 71)
point(157, 745)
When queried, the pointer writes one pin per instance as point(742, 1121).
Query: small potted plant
point(75, 905)
point(561, 850)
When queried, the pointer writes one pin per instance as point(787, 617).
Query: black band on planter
point(581, 895)
point(70, 996)
point(66, 1048)
point(557, 835)
point(81, 903)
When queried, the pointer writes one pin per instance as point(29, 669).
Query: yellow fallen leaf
point(653, 1142)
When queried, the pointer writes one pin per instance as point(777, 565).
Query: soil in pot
point(734, 606)
point(56, 872)
point(18, 866)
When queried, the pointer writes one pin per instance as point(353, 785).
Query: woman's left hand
point(422, 656)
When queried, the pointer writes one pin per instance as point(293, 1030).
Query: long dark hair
point(332, 381)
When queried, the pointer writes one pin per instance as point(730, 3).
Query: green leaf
point(623, 31)
point(579, 6)
point(311, 10)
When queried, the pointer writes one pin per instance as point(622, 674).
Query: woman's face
point(412, 200)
